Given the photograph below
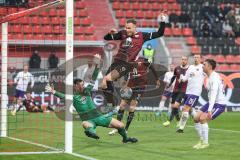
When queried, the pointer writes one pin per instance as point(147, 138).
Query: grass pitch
point(155, 141)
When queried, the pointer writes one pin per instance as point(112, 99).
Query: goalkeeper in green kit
point(84, 105)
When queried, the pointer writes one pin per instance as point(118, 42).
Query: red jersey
point(139, 76)
point(130, 46)
point(180, 87)
point(29, 104)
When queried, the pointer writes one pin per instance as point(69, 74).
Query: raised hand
point(97, 59)
point(50, 89)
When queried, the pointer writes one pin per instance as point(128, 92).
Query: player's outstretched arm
point(97, 60)
point(113, 34)
point(50, 89)
point(159, 33)
point(32, 80)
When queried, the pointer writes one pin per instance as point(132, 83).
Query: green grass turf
point(155, 141)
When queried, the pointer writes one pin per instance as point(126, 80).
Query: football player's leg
point(121, 130)
point(198, 125)
point(120, 114)
point(179, 100)
point(184, 118)
point(132, 108)
point(90, 129)
point(111, 76)
point(175, 111)
point(171, 114)
point(161, 105)
point(121, 110)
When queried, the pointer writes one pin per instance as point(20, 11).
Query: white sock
point(183, 120)
point(193, 113)
point(198, 128)
point(205, 132)
point(16, 106)
point(169, 110)
point(161, 105)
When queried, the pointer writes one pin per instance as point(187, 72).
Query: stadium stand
point(48, 22)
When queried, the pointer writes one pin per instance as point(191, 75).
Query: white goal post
point(69, 81)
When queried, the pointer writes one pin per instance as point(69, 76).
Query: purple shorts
point(191, 100)
point(19, 93)
point(216, 111)
point(167, 94)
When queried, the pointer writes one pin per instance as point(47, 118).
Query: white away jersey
point(195, 77)
point(167, 79)
point(216, 92)
point(22, 79)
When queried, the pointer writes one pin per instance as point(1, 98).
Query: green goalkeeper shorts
point(103, 121)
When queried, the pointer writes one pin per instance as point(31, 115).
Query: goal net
point(41, 36)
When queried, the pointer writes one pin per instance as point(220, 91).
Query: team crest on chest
point(83, 99)
point(128, 43)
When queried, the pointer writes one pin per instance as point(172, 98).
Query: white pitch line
point(82, 156)
point(223, 130)
point(43, 146)
point(28, 153)
point(36, 144)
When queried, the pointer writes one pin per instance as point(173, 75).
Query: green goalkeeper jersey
point(83, 102)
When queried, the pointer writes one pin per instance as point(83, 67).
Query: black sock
point(110, 86)
point(123, 133)
point(108, 92)
point(50, 109)
point(19, 108)
point(171, 115)
point(120, 115)
point(175, 113)
point(129, 119)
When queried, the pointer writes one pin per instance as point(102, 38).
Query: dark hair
point(76, 81)
point(133, 21)
point(212, 63)
point(27, 92)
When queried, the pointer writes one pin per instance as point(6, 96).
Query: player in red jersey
point(130, 46)
point(179, 90)
point(133, 88)
point(30, 105)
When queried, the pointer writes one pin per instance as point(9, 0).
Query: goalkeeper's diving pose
point(84, 105)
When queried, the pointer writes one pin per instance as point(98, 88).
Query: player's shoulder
point(191, 67)
point(169, 73)
point(178, 67)
point(215, 76)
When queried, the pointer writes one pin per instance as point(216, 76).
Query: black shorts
point(178, 97)
point(122, 67)
point(137, 93)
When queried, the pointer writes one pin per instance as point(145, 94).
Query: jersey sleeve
point(153, 35)
point(17, 77)
point(151, 67)
point(213, 94)
point(165, 79)
point(32, 80)
point(90, 86)
point(185, 77)
point(173, 77)
point(59, 95)
point(116, 36)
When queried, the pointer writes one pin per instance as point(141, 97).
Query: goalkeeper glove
point(97, 59)
point(48, 88)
